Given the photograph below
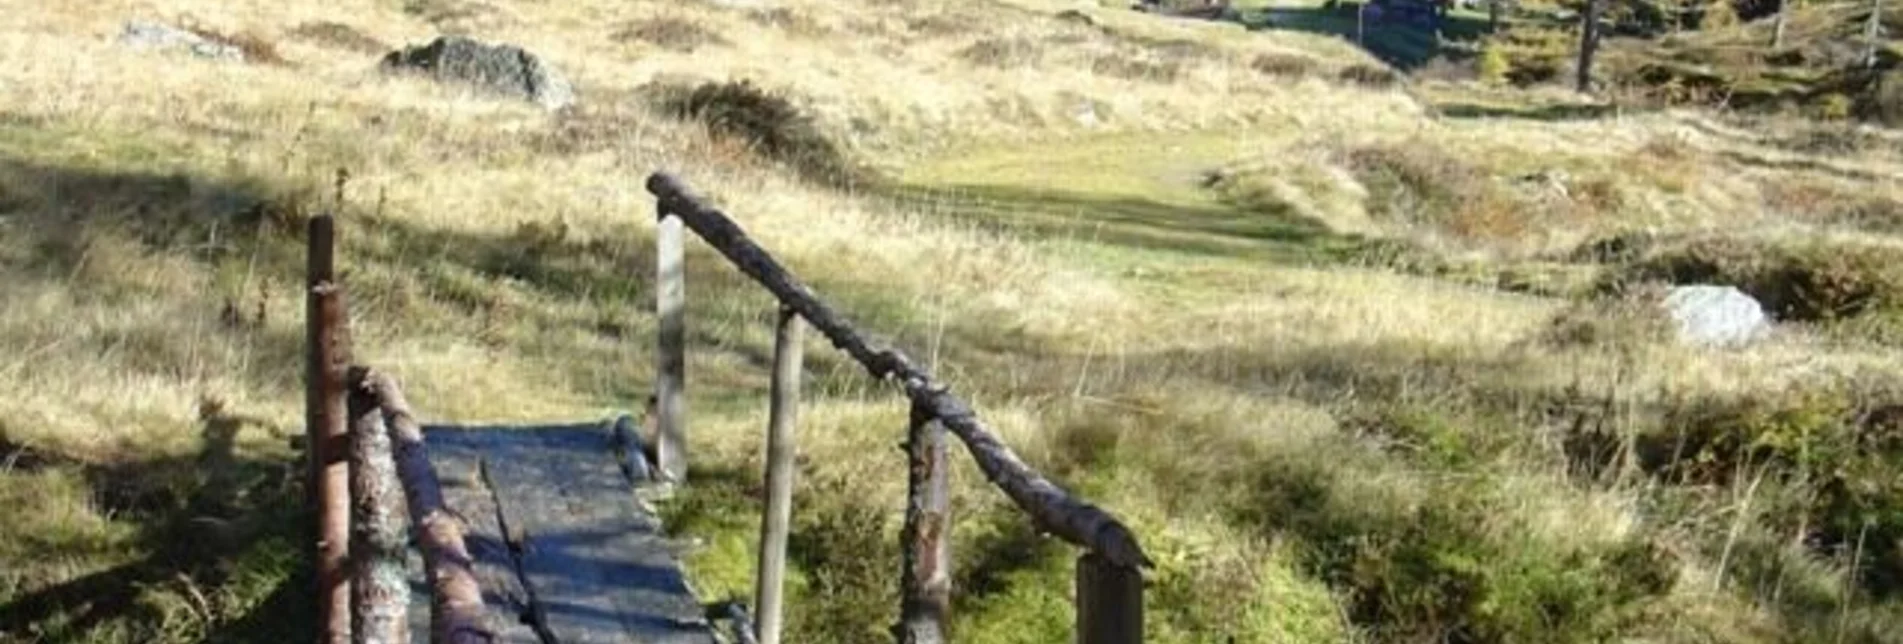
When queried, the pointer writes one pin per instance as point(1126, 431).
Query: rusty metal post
point(380, 594)
point(327, 357)
point(670, 381)
point(925, 583)
point(1109, 602)
point(776, 519)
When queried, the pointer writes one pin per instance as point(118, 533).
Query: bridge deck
point(564, 552)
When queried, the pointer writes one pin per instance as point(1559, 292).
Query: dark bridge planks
point(563, 551)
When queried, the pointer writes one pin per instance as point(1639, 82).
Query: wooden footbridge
point(540, 533)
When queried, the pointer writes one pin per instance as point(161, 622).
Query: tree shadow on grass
point(1548, 113)
point(214, 534)
point(1405, 45)
point(1212, 230)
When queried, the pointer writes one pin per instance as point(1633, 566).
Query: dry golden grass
point(1167, 382)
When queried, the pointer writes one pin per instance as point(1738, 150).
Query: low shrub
point(1370, 76)
point(768, 121)
point(1841, 448)
point(1630, 320)
point(1284, 65)
point(1420, 185)
point(1493, 64)
point(1003, 53)
point(339, 35)
point(673, 34)
point(1127, 68)
point(1803, 281)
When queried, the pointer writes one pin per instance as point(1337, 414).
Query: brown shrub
point(339, 35)
point(1136, 69)
point(940, 25)
point(1420, 185)
point(790, 21)
point(1284, 65)
point(673, 34)
point(1002, 52)
point(1369, 76)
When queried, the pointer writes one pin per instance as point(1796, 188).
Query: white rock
point(1710, 315)
point(150, 35)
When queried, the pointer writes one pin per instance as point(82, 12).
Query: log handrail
point(456, 608)
point(1050, 507)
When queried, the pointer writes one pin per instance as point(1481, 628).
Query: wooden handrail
point(380, 596)
point(456, 608)
point(1050, 507)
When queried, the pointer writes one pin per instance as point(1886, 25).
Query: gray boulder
point(1716, 315)
point(151, 35)
point(501, 68)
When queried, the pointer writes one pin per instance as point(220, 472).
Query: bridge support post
point(1109, 602)
point(926, 536)
point(776, 520)
point(327, 434)
point(670, 381)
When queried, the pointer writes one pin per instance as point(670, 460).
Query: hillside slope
point(1331, 355)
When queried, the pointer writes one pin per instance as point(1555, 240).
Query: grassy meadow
point(1362, 358)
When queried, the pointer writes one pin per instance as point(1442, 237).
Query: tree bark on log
point(380, 596)
point(1053, 509)
point(456, 608)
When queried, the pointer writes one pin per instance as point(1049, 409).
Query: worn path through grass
point(1126, 201)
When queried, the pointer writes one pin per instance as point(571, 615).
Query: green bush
point(1493, 64)
point(1840, 449)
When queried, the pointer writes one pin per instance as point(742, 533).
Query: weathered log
point(327, 356)
point(455, 598)
point(1053, 509)
point(925, 540)
point(776, 518)
point(379, 607)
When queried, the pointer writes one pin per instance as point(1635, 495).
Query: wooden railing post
point(379, 591)
point(1109, 602)
point(776, 519)
point(925, 604)
point(671, 360)
point(327, 356)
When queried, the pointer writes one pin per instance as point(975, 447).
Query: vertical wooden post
point(1872, 31)
point(671, 360)
point(327, 354)
point(380, 599)
point(926, 537)
point(1109, 602)
point(775, 521)
point(1361, 23)
point(1588, 45)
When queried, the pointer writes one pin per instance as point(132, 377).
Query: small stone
point(150, 35)
point(1709, 315)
